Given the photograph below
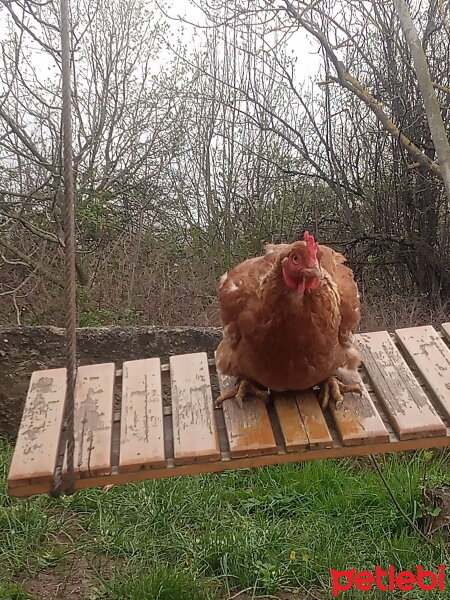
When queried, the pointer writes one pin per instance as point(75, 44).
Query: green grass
point(207, 537)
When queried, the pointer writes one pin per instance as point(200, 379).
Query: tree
point(366, 137)
point(426, 87)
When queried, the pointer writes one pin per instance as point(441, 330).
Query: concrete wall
point(27, 349)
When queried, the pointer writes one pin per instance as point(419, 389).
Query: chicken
point(288, 321)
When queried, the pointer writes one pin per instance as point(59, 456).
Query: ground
point(262, 533)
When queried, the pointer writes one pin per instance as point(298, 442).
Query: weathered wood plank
point(431, 356)
point(292, 426)
point(446, 330)
point(141, 432)
point(194, 426)
point(249, 428)
point(411, 413)
point(337, 451)
point(37, 446)
point(93, 418)
point(252, 440)
point(357, 419)
point(316, 427)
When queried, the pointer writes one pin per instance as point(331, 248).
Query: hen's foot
point(243, 388)
point(332, 388)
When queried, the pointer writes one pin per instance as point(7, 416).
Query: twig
point(240, 593)
point(12, 262)
point(35, 265)
point(395, 501)
point(17, 310)
point(14, 291)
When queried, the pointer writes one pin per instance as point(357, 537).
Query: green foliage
point(27, 529)
point(102, 317)
point(162, 583)
point(96, 318)
point(98, 217)
point(30, 319)
point(13, 592)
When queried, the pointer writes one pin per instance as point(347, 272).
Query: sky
point(299, 43)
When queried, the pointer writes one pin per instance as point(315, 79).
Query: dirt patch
point(436, 509)
point(71, 579)
point(75, 578)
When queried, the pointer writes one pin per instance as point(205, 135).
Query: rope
point(69, 255)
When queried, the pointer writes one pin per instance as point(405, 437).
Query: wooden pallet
point(164, 424)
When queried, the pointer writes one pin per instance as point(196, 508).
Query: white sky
point(300, 42)
point(305, 50)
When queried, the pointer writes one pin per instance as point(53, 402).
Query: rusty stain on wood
point(291, 423)
point(249, 428)
point(357, 419)
point(313, 420)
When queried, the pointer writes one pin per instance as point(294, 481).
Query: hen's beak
point(314, 273)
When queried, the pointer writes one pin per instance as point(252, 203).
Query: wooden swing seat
point(162, 423)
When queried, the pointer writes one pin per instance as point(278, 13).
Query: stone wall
point(27, 349)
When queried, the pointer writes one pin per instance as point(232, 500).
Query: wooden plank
point(313, 420)
point(292, 426)
point(195, 434)
point(446, 330)
point(431, 356)
point(407, 406)
point(337, 451)
point(93, 418)
point(37, 445)
point(249, 428)
point(141, 430)
point(357, 419)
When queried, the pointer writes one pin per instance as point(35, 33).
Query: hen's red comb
point(311, 244)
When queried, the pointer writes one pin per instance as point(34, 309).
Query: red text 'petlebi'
point(387, 580)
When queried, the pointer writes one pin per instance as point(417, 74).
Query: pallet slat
point(432, 358)
point(249, 428)
point(311, 414)
point(358, 421)
point(292, 426)
point(37, 446)
point(408, 408)
point(446, 330)
point(142, 432)
point(93, 418)
point(255, 434)
point(262, 460)
point(194, 428)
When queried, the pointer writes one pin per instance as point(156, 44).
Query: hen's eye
point(295, 259)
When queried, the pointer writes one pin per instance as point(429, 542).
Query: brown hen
point(288, 319)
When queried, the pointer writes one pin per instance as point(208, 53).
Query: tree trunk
point(432, 108)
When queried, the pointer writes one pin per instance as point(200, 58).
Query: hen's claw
point(334, 388)
point(242, 389)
